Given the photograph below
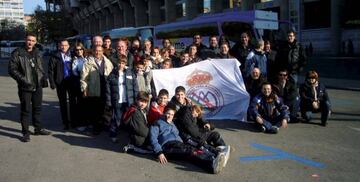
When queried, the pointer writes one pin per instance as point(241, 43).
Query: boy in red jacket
point(157, 107)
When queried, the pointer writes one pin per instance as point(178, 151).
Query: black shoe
point(26, 138)
point(66, 127)
point(262, 129)
point(42, 132)
point(273, 130)
point(324, 124)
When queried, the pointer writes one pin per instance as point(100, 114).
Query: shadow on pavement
point(346, 114)
point(49, 115)
point(98, 142)
point(232, 125)
point(4, 131)
point(88, 142)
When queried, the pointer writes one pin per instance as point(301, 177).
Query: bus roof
point(79, 36)
point(239, 16)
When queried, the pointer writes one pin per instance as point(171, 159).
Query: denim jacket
point(268, 110)
point(162, 132)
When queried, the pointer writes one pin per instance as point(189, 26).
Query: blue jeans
point(277, 121)
point(118, 111)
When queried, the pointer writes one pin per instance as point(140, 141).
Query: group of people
point(108, 89)
point(271, 79)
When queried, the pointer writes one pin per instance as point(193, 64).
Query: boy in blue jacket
point(166, 143)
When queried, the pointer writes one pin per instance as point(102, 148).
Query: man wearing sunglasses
point(287, 90)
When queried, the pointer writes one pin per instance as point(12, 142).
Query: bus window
point(182, 35)
point(146, 34)
point(188, 31)
point(233, 31)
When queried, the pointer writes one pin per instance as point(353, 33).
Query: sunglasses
point(311, 78)
point(282, 74)
point(79, 49)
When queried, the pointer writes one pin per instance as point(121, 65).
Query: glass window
point(317, 14)
point(146, 34)
point(207, 6)
point(180, 10)
point(188, 31)
point(7, 5)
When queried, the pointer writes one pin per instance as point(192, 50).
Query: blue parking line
point(279, 154)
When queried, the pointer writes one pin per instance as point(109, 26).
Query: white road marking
point(356, 129)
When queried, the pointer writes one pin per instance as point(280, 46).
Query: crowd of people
point(108, 88)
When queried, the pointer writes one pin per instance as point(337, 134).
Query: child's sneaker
point(128, 148)
point(218, 163)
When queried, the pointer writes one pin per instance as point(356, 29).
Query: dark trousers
point(30, 100)
point(294, 107)
point(65, 92)
point(213, 138)
point(268, 124)
point(94, 111)
point(180, 151)
point(306, 111)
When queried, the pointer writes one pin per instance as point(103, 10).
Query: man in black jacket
point(25, 66)
point(60, 77)
point(242, 49)
point(287, 90)
point(291, 57)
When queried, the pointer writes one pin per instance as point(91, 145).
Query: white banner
point(216, 85)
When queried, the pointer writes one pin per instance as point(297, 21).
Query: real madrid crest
point(202, 93)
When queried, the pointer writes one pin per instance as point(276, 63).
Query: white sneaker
point(218, 163)
point(263, 129)
point(227, 154)
point(128, 148)
point(220, 148)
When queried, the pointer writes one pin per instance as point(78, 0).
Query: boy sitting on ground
point(157, 107)
point(136, 121)
point(166, 143)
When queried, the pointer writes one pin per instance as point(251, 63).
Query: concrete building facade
point(325, 31)
point(12, 10)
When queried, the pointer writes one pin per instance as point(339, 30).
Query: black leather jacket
point(23, 66)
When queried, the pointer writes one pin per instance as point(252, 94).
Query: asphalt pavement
point(302, 152)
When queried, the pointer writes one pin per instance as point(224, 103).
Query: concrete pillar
point(218, 6)
point(193, 8)
point(170, 11)
point(284, 14)
point(107, 19)
point(247, 4)
point(336, 26)
point(154, 13)
point(140, 12)
point(88, 26)
point(117, 16)
point(100, 19)
point(129, 18)
point(93, 24)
